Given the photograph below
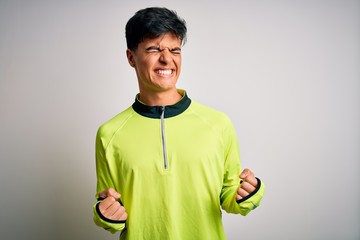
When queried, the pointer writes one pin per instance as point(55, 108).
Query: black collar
point(155, 111)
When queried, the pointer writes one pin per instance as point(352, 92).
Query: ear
point(130, 57)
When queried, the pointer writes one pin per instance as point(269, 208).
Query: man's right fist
point(110, 207)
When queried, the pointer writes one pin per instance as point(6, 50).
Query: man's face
point(157, 63)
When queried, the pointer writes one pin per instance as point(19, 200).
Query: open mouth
point(164, 72)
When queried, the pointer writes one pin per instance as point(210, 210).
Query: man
point(167, 164)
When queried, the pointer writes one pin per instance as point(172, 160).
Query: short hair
point(152, 23)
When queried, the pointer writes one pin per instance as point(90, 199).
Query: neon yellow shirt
point(174, 166)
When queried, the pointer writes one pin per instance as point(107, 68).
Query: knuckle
point(124, 216)
point(116, 204)
point(104, 212)
point(101, 208)
point(103, 204)
point(245, 185)
point(249, 185)
point(243, 193)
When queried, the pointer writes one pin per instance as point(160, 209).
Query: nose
point(165, 56)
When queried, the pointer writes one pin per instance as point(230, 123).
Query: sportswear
point(175, 166)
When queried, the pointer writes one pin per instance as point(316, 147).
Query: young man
point(174, 161)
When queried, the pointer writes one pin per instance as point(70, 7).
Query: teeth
point(165, 72)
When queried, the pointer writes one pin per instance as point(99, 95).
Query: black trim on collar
point(155, 111)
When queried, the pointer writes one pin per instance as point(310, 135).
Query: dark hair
point(151, 23)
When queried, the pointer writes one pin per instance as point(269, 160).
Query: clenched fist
point(248, 185)
point(110, 207)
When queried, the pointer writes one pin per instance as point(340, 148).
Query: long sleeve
point(104, 181)
point(231, 182)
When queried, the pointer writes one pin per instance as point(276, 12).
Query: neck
point(160, 98)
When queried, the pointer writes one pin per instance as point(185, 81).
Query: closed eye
point(155, 49)
point(176, 50)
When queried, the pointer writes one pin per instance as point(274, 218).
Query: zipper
point(163, 136)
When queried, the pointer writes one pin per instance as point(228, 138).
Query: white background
point(286, 72)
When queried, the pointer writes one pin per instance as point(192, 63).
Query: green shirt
point(174, 166)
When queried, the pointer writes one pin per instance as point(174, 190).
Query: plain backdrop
point(286, 72)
